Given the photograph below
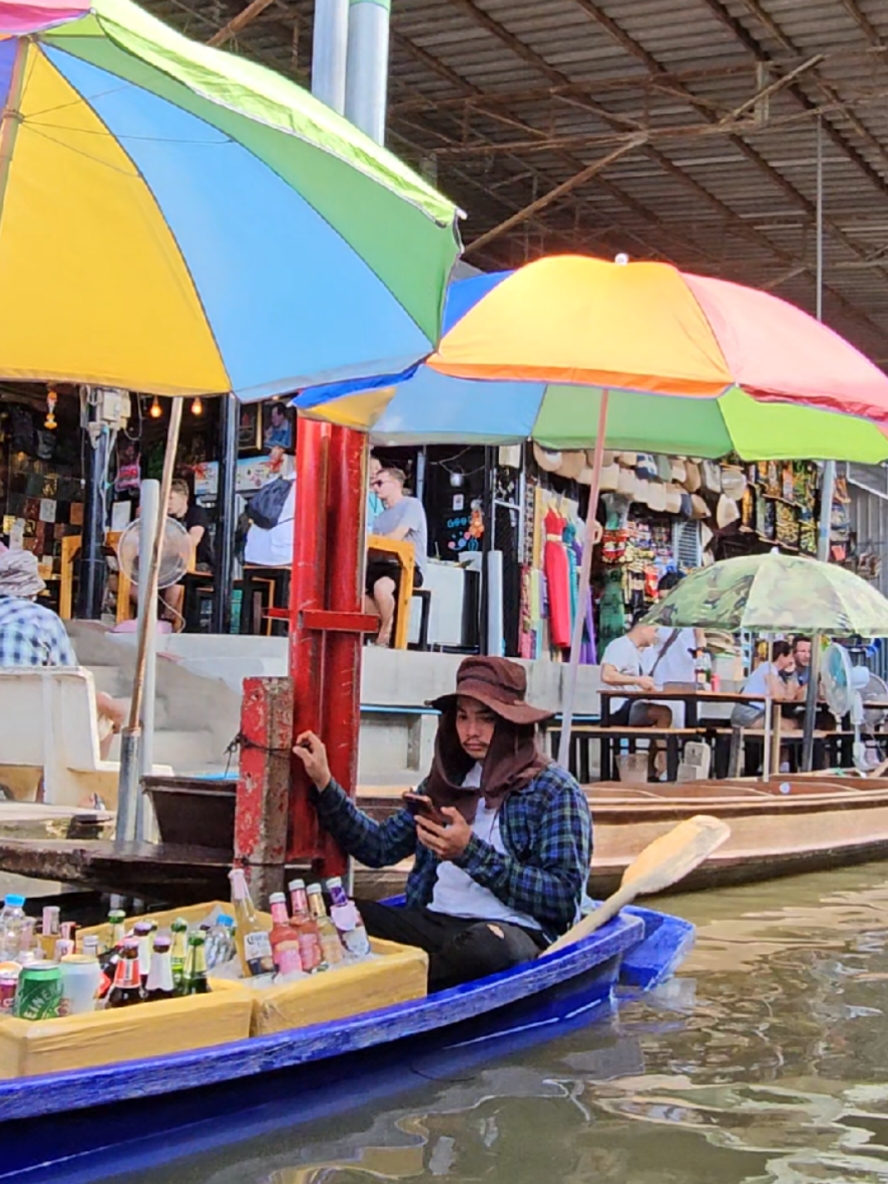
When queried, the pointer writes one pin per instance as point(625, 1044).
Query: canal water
point(765, 1060)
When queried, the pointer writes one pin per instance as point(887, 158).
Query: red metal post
point(307, 592)
point(341, 693)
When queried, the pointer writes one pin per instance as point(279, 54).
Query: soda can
point(81, 975)
point(8, 984)
point(63, 947)
point(39, 993)
point(50, 921)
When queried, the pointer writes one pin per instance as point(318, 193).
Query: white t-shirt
point(677, 664)
point(626, 658)
point(274, 547)
point(457, 894)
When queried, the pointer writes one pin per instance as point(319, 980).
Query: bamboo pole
point(129, 784)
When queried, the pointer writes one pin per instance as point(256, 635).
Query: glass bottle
point(117, 927)
point(309, 935)
point(283, 937)
point(127, 986)
point(179, 951)
point(331, 946)
point(348, 921)
point(253, 946)
point(12, 917)
point(195, 980)
point(160, 983)
point(143, 931)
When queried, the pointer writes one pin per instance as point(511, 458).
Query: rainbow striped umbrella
point(178, 220)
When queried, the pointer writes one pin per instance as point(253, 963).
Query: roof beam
point(561, 190)
point(239, 22)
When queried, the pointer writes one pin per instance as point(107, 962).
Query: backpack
point(265, 506)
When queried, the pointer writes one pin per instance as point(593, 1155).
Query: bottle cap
point(225, 919)
point(161, 944)
point(179, 925)
point(275, 898)
point(314, 888)
point(294, 884)
point(334, 882)
point(143, 928)
point(13, 900)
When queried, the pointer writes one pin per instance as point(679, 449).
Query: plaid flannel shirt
point(546, 829)
point(31, 635)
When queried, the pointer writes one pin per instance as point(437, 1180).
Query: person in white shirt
point(623, 665)
point(671, 660)
point(766, 678)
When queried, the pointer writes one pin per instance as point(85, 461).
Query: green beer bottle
point(195, 978)
point(179, 952)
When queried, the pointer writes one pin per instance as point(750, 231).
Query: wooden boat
point(791, 824)
point(81, 1125)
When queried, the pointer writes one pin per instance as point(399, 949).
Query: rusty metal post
point(307, 593)
point(263, 788)
point(341, 696)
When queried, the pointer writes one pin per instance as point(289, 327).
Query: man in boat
point(32, 634)
point(502, 836)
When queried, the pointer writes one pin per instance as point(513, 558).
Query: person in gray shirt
point(402, 518)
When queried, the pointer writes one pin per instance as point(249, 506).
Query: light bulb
point(197, 406)
point(155, 410)
point(622, 259)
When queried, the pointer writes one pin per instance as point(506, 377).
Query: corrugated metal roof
point(507, 99)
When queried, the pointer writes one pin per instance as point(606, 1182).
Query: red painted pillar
point(341, 692)
point(307, 592)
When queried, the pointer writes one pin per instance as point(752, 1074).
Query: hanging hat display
point(699, 508)
point(673, 498)
point(572, 464)
point(664, 467)
point(657, 497)
point(733, 481)
point(727, 512)
point(547, 460)
point(711, 474)
point(627, 482)
point(646, 466)
point(642, 491)
point(610, 476)
point(692, 481)
point(678, 470)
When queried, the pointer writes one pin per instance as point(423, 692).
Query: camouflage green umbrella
point(775, 593)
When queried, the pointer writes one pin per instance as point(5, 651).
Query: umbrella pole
point(769, 715)
point(128, 786)
point(568, 701)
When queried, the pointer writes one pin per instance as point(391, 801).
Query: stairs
point(196, 716)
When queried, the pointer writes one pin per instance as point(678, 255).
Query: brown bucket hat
point(499, 684)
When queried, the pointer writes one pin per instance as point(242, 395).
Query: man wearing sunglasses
point(402, 518)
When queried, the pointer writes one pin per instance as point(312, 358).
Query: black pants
point(459, 950)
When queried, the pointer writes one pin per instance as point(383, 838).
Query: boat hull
point(82, 1124)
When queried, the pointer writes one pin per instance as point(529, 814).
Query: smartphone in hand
point(419, 804)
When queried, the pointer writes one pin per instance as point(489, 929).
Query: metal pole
point(226, 495)
point(367, 72)
point(149, 511)
point(91, 584)
point(570, 691)
point(131, 737)
point(827, 486)
point(328, 52)
point(769, 714)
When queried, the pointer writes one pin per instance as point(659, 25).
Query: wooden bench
point(611, 739)
point(49, 726)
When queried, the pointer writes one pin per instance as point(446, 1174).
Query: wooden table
point(125, 610)
point(692, 699)
point(404, 552)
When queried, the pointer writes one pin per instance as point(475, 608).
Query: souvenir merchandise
point(557, 580)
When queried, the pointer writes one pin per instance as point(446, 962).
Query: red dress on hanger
point(557, 571)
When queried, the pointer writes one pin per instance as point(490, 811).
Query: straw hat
point(657, 497)
point(627, 483)
point(679, 472)
point(699, 508)
point(610, 476)
point(547, 460)
point(727, 512)
point(642, 491)
point(673, 498)
point(693, 480)
point(572, 464)
point(733, 482)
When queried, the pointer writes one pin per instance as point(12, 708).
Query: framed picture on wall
point(249, 431)
point(277, 426)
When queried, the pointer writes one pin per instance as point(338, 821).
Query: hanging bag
point(266, 505)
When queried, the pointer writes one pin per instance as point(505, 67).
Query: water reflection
point(766, 1062)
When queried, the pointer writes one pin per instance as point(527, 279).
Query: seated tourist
point(766, 676)
point(402, 518)
point(623, 665)
point(502, 838)
point(33, 635)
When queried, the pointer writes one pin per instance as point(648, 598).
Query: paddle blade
point(671, 857)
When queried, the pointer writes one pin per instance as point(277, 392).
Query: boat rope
point(242, 741)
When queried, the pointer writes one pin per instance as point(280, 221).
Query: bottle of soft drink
point(220, 943)
point(195, 980)
point(117, 927)
point(251, 939)
point(27, 952)
point(331, 946)
point(160, 983)
point(12, 918)
point(345, 916)
point(144, 933)
point(127, 986)
point(284, 938)
point(309, 935)
point(179, 951)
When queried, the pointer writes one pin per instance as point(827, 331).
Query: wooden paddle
point(663, 862)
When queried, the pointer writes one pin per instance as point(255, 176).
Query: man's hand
point(447, 842)
point(311, 751)
point(646, 683)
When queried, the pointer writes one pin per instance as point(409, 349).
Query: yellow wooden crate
point(30, 1047)
point(400, 973)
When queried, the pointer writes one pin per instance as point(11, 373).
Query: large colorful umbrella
point(432, 408)
point(775, 593)
point(176, 219)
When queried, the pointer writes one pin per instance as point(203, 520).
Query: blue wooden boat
point(81, 1126)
